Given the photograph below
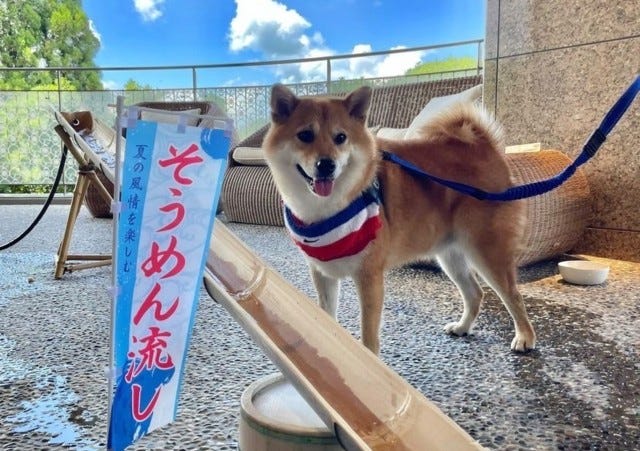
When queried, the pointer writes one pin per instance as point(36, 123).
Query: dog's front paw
point(523, 342)
point(458, 329)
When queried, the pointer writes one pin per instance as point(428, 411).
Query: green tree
point(133, 85)
point(46, 33)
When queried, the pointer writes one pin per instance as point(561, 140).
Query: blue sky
point(197, 32)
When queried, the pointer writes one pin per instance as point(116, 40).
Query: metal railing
point(30, 150)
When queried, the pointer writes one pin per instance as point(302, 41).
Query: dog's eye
point(306, 136)
point(339, 138)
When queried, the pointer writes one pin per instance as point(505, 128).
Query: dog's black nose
point(325, 167)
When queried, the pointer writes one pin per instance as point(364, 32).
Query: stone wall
point(552, 70)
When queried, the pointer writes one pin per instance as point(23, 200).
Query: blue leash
point(536, 188)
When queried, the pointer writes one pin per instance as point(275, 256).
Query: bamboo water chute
point(366, 403)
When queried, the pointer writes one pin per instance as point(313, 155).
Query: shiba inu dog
point(356, 215)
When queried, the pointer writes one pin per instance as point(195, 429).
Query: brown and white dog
point(356, 215)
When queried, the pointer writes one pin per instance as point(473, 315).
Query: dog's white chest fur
point(340, 268)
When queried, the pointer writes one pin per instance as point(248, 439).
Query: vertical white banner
point(171, 183)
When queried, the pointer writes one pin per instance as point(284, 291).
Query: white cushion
point(167, 117)
point(392, 133)
point(438, 104)
point(249, 156)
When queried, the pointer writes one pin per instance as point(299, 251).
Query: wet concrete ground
point(579, 390)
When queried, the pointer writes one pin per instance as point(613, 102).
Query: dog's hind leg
point(328, 290)
point(499, 272)
point(455, 265)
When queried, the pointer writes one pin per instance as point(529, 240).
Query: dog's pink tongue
point(323, 187)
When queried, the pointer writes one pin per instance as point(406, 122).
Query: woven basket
point(106, 136)
point(555, 220)
point(98, 207)
point(249, 195)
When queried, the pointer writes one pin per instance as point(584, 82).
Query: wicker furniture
point(249, 194)
point(555, 220)
point(94, 154)
point(95, 203)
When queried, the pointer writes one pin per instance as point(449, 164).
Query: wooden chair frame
point(66, 262)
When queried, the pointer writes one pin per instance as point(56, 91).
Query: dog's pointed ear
point(283, 102)
point(357, 103)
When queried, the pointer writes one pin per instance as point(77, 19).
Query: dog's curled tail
point(466, 123)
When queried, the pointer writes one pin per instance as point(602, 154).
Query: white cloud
point(376, 66)
point(310, 71)
point(275, 31)
point(148, 9)
point(112, 85)
point(398, 63)
point(94, 30)
point(270, 28)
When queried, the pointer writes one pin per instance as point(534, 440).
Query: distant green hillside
point(445, 65)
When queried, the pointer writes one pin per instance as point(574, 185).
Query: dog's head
point(81, 121)
point(320, 145)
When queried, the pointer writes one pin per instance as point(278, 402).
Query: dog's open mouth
point(321, 186)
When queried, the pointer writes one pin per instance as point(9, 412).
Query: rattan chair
point(94, 151)
point(95, 202)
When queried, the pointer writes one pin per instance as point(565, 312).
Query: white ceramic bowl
point(583, 272)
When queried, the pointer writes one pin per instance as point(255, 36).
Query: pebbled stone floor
point(579, 390)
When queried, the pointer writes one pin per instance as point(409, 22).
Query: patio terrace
point(579, 390)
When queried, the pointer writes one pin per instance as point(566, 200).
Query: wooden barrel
point(275, 417)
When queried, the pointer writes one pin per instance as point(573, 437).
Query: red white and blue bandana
point(344, 234)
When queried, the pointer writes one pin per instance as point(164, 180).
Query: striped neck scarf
point(344, 234)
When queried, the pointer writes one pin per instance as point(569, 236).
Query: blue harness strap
point(540, 187)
